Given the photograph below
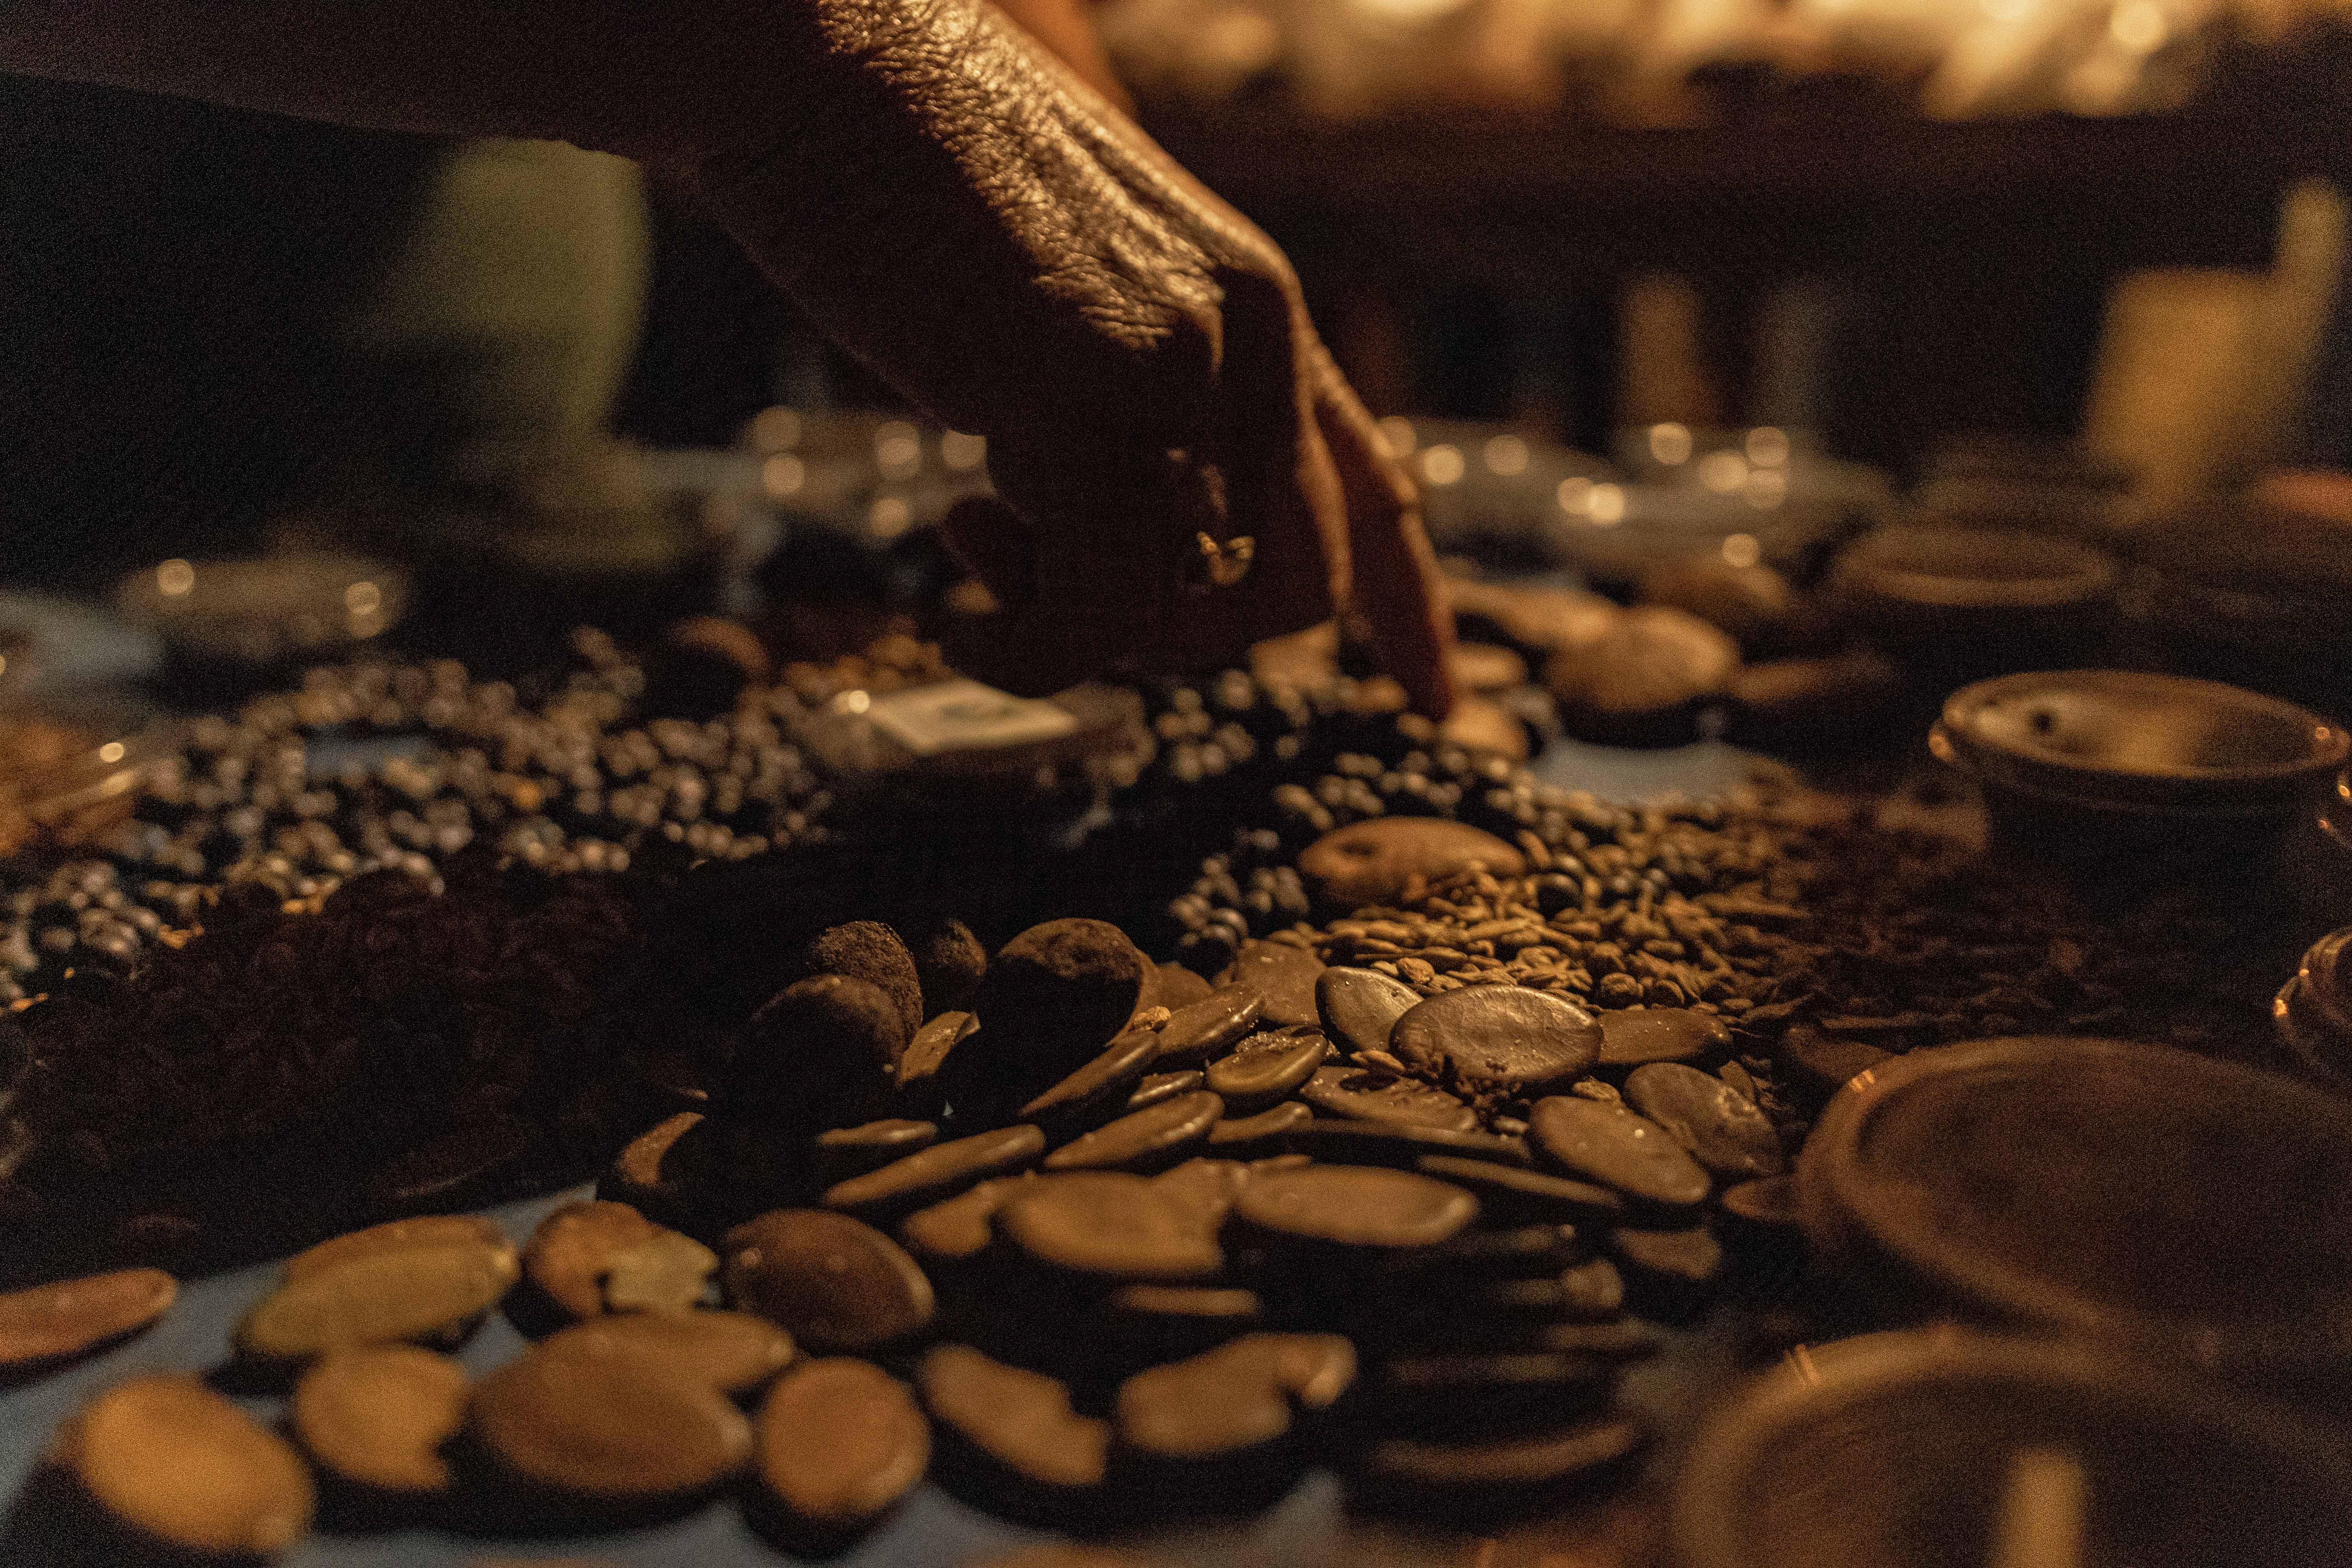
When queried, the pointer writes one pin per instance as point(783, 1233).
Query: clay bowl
point(1911, 1450)
point(1962, 601)
point(2173, 1205)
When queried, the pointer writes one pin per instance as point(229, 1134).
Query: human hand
point(1024, 263)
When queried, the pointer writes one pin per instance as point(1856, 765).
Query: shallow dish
point(1978, 600)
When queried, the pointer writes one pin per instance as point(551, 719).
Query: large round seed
point(1114, 1224)
point(376, 1417)
point(838, 1443)
point(615, 1430)
point(733, 1352)
point(1498, 1040)
point(837, 1283)
point(181, 1465)
point(432, 1294)
point(1356, 1205)
point(50, 1323)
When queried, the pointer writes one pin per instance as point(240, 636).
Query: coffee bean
point(433, 1294)
point(1373, 1096)
point(1210, 1027)
point(1481, 1472)
point(1498, 1040)
point(615, 1434)
point(423, 1230)
point(1054, 997)
point(1508, 1194)
point(184, 1467)
point(1233, 1399)
point(938, 1170)
point(1618, 1149)
point(1721, 1128)
point(1284, 977)
point(576, 1245)
point(733, 1352)
point(1175, 988)
point(1111, 1225)
point(1355, 1206)
point(1398, 1144)
point(824, 1052)
point(1019, 1421)
point(1097, 1089)
point(1632, 1036)
point(960, 1227)
point(871, 952)
point(1162, 1087)
point(651, 1174)
point(948, 963)
point(1370, 862)
point(835, 1283)
point(666, 1272)
point(1359, 1006)
point(848, 1151)
point(1265, 1069)
point(838, 1444)
point(51, 1323)
point(1269, 1131)
point(376, 1417)
point(1154, 1135)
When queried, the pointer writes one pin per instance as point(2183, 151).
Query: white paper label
point(964, 715)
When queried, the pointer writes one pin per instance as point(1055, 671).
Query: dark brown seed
point(1498, 1040)
point(609, 1431)
point(1394, 1144)
point(1209, 1028)
point(1507, 1193)
point(1207, 1187)
point(1156, 1313)
point(1356, 1206)
point(434, 1294)
point(423, 1230)
point(1370, 862)
point(1612, 1145)
point(1720, 1127)
point(1632, 1036)
point(1152, 1136)
point(1265, 1069)
point(1461, 1393)
point(824, 1052)
point(1098, 1089)
point(183, 1466)
point(1161, 1087)
point(1522, 1252)
point(838, 1444)
point(376, 1417)
point(927, 1054)
point(940, 1170)
point(961, 1226)
point(950, 962)
point(648, 1176)
point(1683, 1257)
point(1054, 996)
point(1021, 1420)
point(1233, 1399)
point(1175, 988)
point(1246, 1135)
point(1356, 1095)
point(1359, 1006)
point(1592, 1290)
point(51, 1322)
point(577, 1246)
point(1484, 1467)
point(1112, 1225)
point(871, 952)
point(1283, 976)
point(848, 1151)
point(733, 1352)
point(1770, 1202)
point(833, 1282)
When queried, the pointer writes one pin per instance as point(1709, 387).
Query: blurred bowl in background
point(71, 764)
point(261, 613)
point(1958, 603)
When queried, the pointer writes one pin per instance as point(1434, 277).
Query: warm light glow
point(962, 453)
point(853, 701)
point(1576, 495)
point(175, 578)
point(774, 429)
point(111, 752)
point(783, 476)
point(1507, 454)
point(1397, 431)
point(890, 515)
point(898, 448)
point(1766, 489)
point(1442, 465)
point(1742, 550)
point(1768, 447)
point(1409, 13)
point(2139, 26)
point(1723, 472)
point(1670, 444)
point(1606, 506)
point(363, 599)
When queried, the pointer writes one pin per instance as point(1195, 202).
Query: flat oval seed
point(1632, 1036)
point(1282, 975)
point(181, 1465)
point(1144, 1137)
point(574, 1248)
point(1262, 1068)
point(733, 1352)
point(1209, 1029)
point(838, 1443)
point(961, 1226)
point(611, 1430)
point(1356, 1205)
point(1769, 1203)
point(1018, 1418)
point(51, 1322)
point(665, 1273)
point(1507, 1193)
point(1396, 1144)
point(1496, 1466)
point(1721, 1127)
point(1360, 1007)
point(1098, 1088)
point(940, 1171)
point(837, 1283)
point(1244, 1135)
point(1498, 1040)
point(1110, 1224)
point(647, 1174)
point(1361, 1095)
point(377, 1416)
point(420, 1230)
point(1161, 1087)
point(848, 1151)
point(1175, 988)
point(417, 1293)
point(1618, 1149)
